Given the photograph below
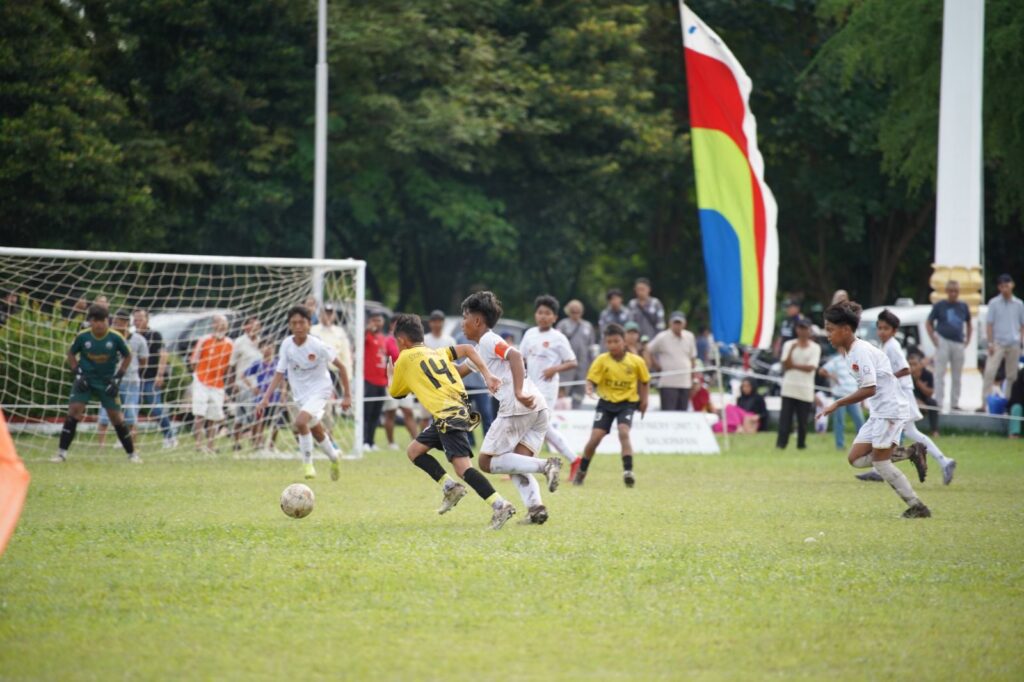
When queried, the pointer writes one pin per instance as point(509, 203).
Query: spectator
point(634, 342)
point(924, 389)
point(76, 311)
point(257, 378)
point(840, 296)
point(949, 326)
point(1016, 406)
point(392, 405)
point(1004, 322)
point(210, 361)
point(375, 376)
point(435, 337)
point(581, 339)
point(153, 375)
point(800, 358)
point(842, 383)
point(614, 313)
point(704, 341)
point(310, 305)
point(787, 328)
point(9, 306)
point(130, 383)
point(673, 351)
point(334, 335)
point(245, 352)
point(700, 398)
point(646, 311)
point(751, 401)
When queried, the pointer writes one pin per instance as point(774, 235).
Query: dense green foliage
point(188, 569)
point(524, 146)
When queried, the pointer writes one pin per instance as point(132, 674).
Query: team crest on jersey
point(110, 345)
point(855, 367)
point(311, 357)
point(88, 345)
point(547, 344)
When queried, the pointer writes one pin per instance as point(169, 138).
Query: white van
point(912, 332)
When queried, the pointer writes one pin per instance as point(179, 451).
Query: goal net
point(45, 297)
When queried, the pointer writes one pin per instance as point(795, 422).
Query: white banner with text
point(676, 433)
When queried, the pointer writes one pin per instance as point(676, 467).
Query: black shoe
point(538, 514)
point(628, 479)
point(919, 458)
point(870, 476)
point(578, 478)
point(918, 511)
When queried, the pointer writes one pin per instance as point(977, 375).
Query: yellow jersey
point(430, 374)
point(617, 380)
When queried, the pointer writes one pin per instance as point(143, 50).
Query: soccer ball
point(297, 501)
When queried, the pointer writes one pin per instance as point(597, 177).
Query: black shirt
point(754, 403)
point(155, 341)
point(787, 329)
point(927, 379)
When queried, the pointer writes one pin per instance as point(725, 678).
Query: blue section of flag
point(725, 278)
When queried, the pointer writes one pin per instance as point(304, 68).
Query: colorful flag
point(737, 210)
point(13, 485)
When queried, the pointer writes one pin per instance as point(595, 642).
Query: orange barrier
point(14, 479)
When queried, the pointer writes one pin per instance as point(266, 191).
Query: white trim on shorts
point(508, 431)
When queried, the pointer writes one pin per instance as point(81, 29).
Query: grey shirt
point(581, 338)
point(140, 351)
point(650, 317)
point(1006, 318)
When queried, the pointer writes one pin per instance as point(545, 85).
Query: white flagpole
point(320, 162)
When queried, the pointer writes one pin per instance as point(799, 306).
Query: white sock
point(528, 489)
point(555, 440)
point(511, 463)
point(862, 462)
point(306, 447)
point(327, 447)
point(894, 477)
point(911, 431)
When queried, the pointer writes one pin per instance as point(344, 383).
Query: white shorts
point(207, 401)
point(314, 406)
point(506, 432)
point(391, 404)
point(881, 433)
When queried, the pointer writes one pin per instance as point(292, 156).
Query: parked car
point(182, 327)
point(913, 334)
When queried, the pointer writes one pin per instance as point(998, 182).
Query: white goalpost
point(45, 295)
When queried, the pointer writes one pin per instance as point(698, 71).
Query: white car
point(913, 334)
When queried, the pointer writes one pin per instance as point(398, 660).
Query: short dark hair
point(803, 322)
point(409, 326)
point(96, 312)
point(253, 318)
point(642, 280)
point(889, 318)
point(844, 313)
point(484, 303)
point(299, 310)
point(614, 330)
point(613, 292)
point(122, 314)
point(1004, 279)
point(915, 353)
point(547, 301)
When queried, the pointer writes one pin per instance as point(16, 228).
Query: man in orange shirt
point(210, 360)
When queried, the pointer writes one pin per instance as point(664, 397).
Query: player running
point(547, 353)
point(99, 358)
point(305, 359)
point(887, 325)
point(429, 374)
point(622, 381)
point(876, 443)
point(518, 431)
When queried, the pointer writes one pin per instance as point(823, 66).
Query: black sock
point(430, 465)
point(124, 434)
point(67, 432)
point(479, 483)
point(584, 464)
point(627, 462)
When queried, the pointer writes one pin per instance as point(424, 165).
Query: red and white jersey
point(541, 350)
point(307, 367)
point(493, 350)
point(870, 367)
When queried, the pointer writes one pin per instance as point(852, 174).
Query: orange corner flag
point(13, 485)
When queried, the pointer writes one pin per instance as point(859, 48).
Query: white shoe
point(552, 468)
point(392, 446)
point(134, 458)
point(452, 495)
point(502, 513)
point(58, 459)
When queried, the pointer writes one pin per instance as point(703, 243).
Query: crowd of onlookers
point(229, 375)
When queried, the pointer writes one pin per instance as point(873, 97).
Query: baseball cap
point(437, 315)
point(1004, 279)
point(789, 301)
point(329, 306)
point(631, 327)
point(677, 315)
point(804, 322)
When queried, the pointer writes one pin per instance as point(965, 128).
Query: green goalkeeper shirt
point(99, 357)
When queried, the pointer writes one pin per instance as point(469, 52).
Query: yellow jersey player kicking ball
point(431, 375)
point(876, 442)
point(622, 382)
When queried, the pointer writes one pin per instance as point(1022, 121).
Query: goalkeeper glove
point(114, 387)
point(81, 384)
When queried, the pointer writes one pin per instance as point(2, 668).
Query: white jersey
point(435, 342)
point(493, 349)
point(541, 350)
point(306, 366)
point(870, 367)
point(894, 351)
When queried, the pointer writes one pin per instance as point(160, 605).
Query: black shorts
point(454, 443)
point(607, 413)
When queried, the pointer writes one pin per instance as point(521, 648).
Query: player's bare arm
point(515, 362)
point(275, 383)
point(346, 400)
point(644, 390)
point(468, 351)
point(558, 369)
point(857, 396)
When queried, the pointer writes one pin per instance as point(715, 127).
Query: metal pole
point(320, 162)
point(721, 393)
point(358, 392)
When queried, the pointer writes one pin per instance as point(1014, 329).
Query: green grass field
point(188, 569)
